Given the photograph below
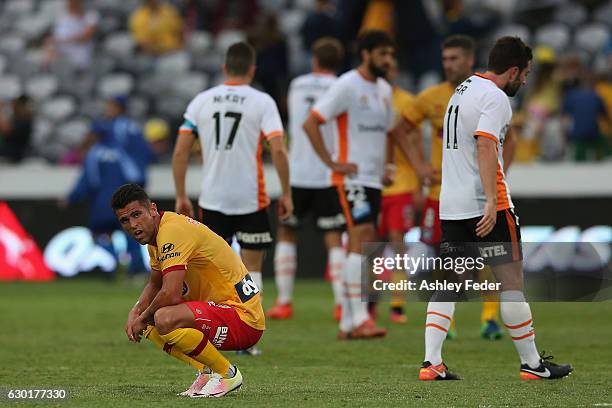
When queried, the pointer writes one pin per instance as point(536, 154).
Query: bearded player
point(458, 62)
point(477, 213)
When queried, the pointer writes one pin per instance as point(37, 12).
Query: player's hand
point(428, 175)
point(183, 206)
point(345, 168)
point(389, 176)
point(129, 325)
point(138, 327)
point(285, 207)
point(488, 220)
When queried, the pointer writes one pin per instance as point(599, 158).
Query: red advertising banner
point(20, 257)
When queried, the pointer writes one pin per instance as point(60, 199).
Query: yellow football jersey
point(406, 180)
point(431, 104)
point(214, 272)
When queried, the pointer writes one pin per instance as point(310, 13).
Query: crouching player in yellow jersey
point(200, 298)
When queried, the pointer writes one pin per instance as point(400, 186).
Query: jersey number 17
point(236, 117)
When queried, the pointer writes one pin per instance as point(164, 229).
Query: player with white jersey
point(232, 121)
point(359, 104)
point(311, 186)
point(476, 210)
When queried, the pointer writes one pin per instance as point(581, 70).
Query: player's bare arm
point(509, 149)
point(168, 295)
point(180, 160)
point(487, 166)
point(390, 168)
point(311, 127)
point(148, 294)
point(410, 141)
point(280, 160)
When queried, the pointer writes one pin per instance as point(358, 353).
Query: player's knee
point(164, 320)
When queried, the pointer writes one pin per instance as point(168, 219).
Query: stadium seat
point(73, 132)
point(592, 37)
point(518, 30)
point(305, 4)
point(603, 14)
point(52, 8)
point(138, 107)
point(174, 64)
point(18, 7)
point(3, 64)
point(41, 87)
point(115, 84)
point(171, 107)
point(102, 65)
point(189, 85)
point(272, 6)
point(10, 87)
point(571, 14)
point(210, 62)
point(58, 109)
point(109, 24)
point(553, 35)
point(33, 26)
point(12, 44)
point(119, 45)
point(199, 42)
point(41, 133)
point(30, 63)
point(291, 20)
point(228, 37)
point(92, 108)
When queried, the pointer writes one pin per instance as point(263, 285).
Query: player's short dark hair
point(239, 58)
point(329, 53)
point(371, 39)
point(128, 193)
point(459, 41)
point(509, 52)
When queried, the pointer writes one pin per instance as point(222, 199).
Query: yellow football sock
point(193, 343)
point(152, 334)
point(398, 297)
point(489, 311)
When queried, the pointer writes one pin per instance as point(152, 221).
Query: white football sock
point(352, 273)
point(336, 259)
point(256, 276)
point(439, 317)
point(516, 314)
point(284, 270)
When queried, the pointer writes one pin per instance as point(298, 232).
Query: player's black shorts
point(501, 246)
point(252, 230)
point(361, 204)
point(324, 204)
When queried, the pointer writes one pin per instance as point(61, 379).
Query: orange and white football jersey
point(307, 170)
point(231, 122)
point(363, 113)
point(478, 108)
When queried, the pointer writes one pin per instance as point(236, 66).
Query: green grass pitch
point(69, 334)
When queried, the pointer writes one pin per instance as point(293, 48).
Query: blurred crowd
point(76, 72)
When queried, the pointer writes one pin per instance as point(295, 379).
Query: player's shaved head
point(239, 59)
point(128, 193)
point(457, 58)
point(509, 52)
point(328, 52)
point(459, 41)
